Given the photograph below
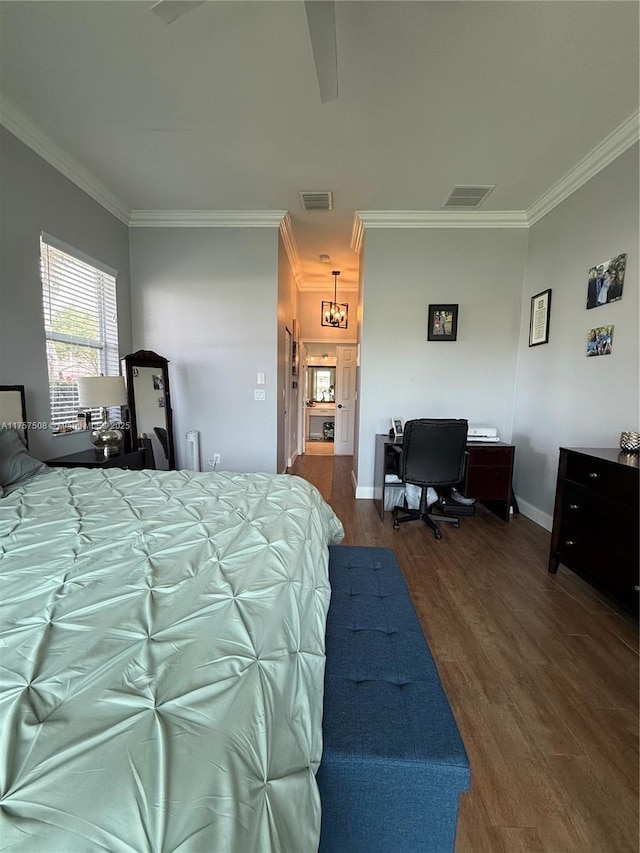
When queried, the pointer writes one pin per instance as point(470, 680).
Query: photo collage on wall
point(604, 285)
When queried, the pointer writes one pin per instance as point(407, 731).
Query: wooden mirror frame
point(148, 358)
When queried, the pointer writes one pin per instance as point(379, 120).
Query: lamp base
point(107, 439)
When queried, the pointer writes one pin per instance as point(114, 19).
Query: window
point(80, 322)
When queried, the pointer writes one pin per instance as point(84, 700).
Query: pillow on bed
point(16, 463)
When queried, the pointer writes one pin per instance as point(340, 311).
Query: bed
point(162, 663)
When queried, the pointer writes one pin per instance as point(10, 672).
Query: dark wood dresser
point(595, 520)
point(134, 459)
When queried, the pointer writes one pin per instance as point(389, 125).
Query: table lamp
point(102, 392)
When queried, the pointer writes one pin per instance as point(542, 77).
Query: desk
point(487, 477)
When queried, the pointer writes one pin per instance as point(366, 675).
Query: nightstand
point(133, 459)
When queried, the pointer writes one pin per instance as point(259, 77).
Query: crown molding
point(357, 234)
point(17, 123)
point(440, 219)
point(327, 289)
point(291, 248)
point(611, 147)
point(615, 144)
point(206, 218)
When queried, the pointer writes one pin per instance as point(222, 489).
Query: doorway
point(329, 379)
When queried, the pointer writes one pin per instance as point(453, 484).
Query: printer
point(479, 432)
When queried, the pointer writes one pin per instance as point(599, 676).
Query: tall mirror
point(147, 378)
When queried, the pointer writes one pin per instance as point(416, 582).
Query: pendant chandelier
point(335, 313)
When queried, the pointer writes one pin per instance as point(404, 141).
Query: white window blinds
point(80, 322)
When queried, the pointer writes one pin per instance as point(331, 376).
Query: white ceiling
point(220, 110)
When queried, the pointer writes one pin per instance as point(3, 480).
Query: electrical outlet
point(215, 460)
point(259, 394)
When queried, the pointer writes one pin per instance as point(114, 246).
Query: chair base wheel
point(396, 524)
point(438, 534)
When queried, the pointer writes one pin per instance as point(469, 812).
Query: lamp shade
point(101, 391)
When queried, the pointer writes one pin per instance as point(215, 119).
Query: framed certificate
point(539, 319)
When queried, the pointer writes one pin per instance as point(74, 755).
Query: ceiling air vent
point(316, 200)
point(468, 196)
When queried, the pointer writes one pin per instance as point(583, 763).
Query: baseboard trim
point(534, 514)
point(363, 492)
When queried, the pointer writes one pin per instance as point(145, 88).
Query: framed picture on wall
point(442, 323)
point(294, 349)
point(539, 318)
point(605, 281)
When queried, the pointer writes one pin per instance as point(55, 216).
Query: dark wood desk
point(488, 474)
point(135, 460)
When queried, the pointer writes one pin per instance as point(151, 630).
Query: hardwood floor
point(541, 673)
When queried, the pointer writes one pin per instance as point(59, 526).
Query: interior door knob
point(339, 405)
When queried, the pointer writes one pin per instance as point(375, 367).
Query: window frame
point(94, 286)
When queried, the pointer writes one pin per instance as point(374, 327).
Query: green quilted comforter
point(162, 662)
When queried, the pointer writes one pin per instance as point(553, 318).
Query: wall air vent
point(316, 200)
point(468, 196)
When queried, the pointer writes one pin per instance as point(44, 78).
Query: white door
point(345, 399)
point(286, 398)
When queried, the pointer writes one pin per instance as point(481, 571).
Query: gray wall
point(206, 299)
point(215, 302)
point(36, 197)
point(402, 374)
point(287, 310)
point(564, 398)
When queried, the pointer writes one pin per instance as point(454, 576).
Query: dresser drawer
point(603, 477)
point(614, 525)
point(492, 457)
point(609, 570)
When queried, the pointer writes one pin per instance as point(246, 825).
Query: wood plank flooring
point(540, 670)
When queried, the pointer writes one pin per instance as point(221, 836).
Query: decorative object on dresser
point(149, 399)
point(595, 520)
point(630, 441)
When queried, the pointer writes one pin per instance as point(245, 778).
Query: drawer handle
point(593, 475)
point(637, 588)
point(569, 542)
point(574, 506)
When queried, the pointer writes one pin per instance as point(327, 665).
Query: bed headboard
point(13, 409)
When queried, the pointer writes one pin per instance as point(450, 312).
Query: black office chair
point(433, 454)
point(161, 433)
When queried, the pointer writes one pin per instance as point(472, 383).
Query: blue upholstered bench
point(393, 764)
